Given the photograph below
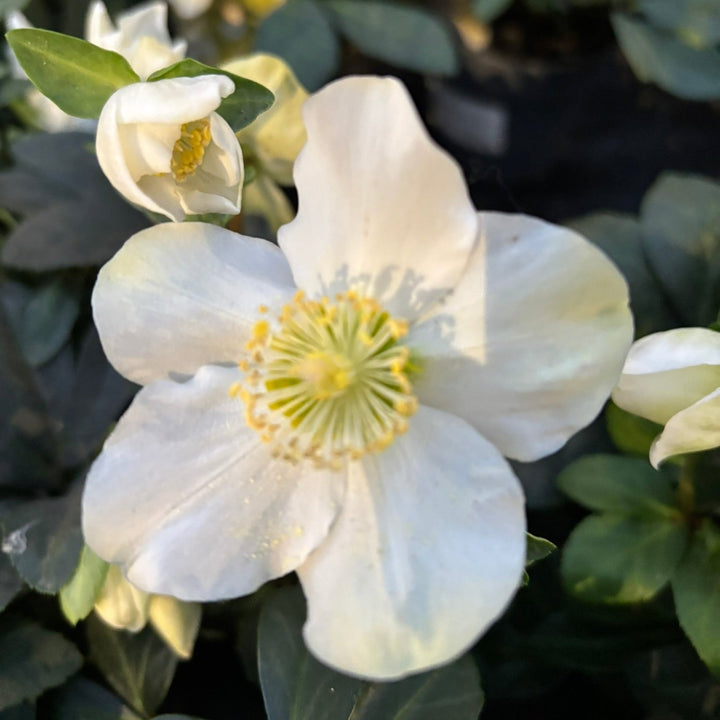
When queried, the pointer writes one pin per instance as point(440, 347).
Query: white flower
point(141, 36)
point(673, 378)
point(189, 9)
point(163, 148)
point(125, 607)
point(352, 432)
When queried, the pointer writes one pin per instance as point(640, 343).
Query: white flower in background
point(276, 136)
point(352, 430)
point(125, 607)
point(271, 143)
point(164, 148)
point(189, 9)
point(673, 378)
point(141, 36)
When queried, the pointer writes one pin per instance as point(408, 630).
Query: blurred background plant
point(599, 113)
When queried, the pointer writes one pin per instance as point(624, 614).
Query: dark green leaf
point(661, 57)
point(32, 660)
point(621, 485)
point(44, 541)
point(76, 75)
point(620, 237)
point(140, 667)
point(561, 642)
point(93, 400)
point(44, 321)
point(300, 33)
point(630, 433)
point(82, 699)
point(696, 587)
point(10, 582)
point(77, 598)
point(613, 559)
point(28, 446)
point(537, 549)
point(23, 711)
point(295, 686)
point(451, 692)
point(74, 217)
point(696, 21)
point(487, 10)
point(239, 109)
point(681, 236)
point(405, 36)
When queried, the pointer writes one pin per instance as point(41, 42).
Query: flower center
point(189, 148)
point(328, 380)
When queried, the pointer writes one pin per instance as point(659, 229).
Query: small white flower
point(673, 378)
point(141, 36)
point(352, 432)
point(164, 148)
point(125, 607)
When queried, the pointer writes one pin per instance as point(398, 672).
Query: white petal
point(188, 500)
point(172, 101)
point(669, 371)
point(178, 296)
point(176, 622)
point(381, 207)
point(694, 429)
point(120, 604)
point(147, 20)
point(427, 552)
point(530, 344)
point(189, 9)
point(148, 54)
point(98, 25)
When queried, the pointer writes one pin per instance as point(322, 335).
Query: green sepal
point(249, 100)
point(78, 596)
point(537, 549)
point(76, 75)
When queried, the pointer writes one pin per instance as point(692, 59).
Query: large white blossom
point(341, 406)
point(163, 147)
point(673, 378)
point(140, 36)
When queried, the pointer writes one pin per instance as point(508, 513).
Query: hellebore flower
point(162, 147)
point(141, 36)
point(351, 430)
point(125, 607)
point(673, 378)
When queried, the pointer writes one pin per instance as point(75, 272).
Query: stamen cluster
point(327, 380)
point(189, 149)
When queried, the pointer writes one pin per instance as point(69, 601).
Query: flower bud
point(163, 148)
